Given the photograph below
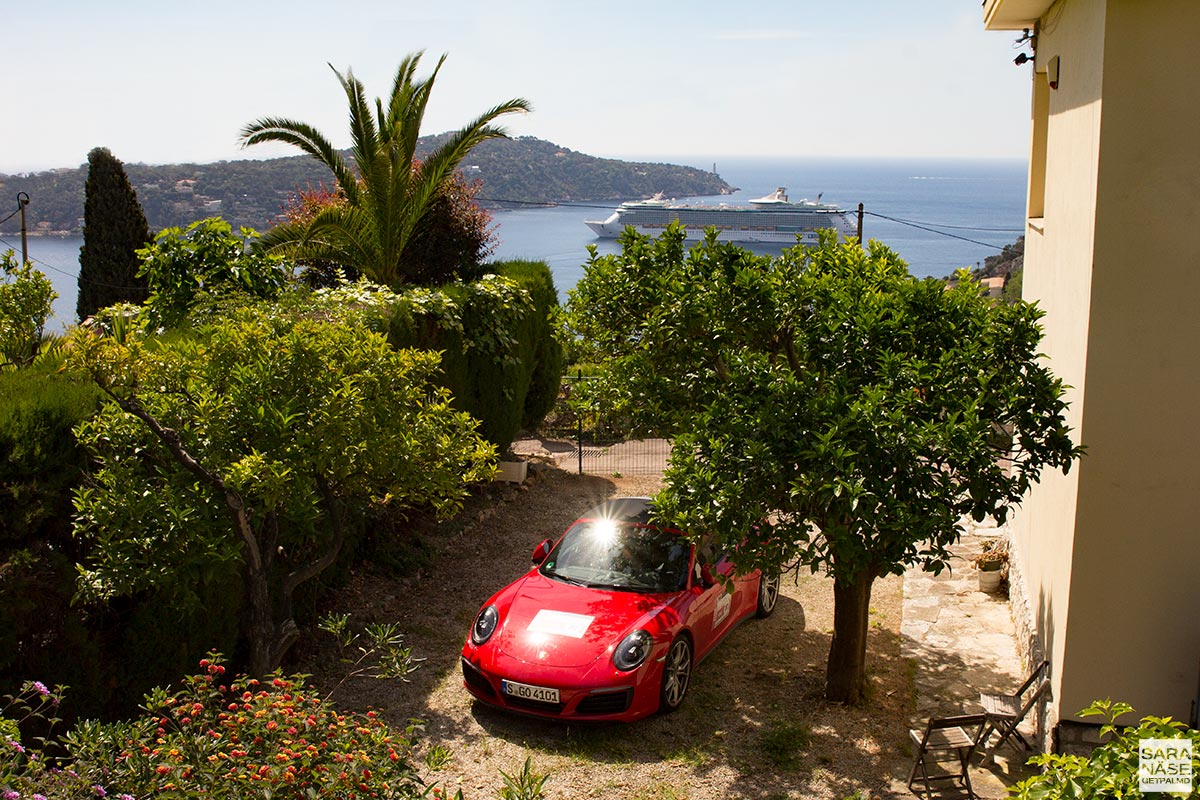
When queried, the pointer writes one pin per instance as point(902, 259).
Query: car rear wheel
point(677, 674)
point(768, 595)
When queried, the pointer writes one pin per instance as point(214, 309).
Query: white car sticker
point(560, 623)
point(722, 610)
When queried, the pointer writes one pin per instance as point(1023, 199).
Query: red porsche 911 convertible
point(609, 622)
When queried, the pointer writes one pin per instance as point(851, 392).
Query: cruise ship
point(773, 219)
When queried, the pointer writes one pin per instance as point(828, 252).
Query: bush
point(540, 345)
point(40, 464)
point(500, 354)
point(241, 739)
point(40, 460)
point(42, 633)
point(26, 295)
point(1112, 768)
point(113, 654)
point(203, 262)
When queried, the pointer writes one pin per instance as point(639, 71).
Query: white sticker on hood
point(560, 623)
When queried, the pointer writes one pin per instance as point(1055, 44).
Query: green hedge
point(40, 461)
point(547, 350)
point(505, 391)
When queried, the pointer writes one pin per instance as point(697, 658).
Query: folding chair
point(1006, 711)
point(946, 740)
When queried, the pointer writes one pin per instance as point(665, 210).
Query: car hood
point(557, 624)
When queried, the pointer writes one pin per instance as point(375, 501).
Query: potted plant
point(991, 563)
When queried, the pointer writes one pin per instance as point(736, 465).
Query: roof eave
point(1013, 15)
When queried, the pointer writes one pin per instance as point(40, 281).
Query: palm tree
point(388, 193)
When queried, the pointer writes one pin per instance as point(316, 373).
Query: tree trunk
point(260, 625)
point(271, 629)
point(846, 672)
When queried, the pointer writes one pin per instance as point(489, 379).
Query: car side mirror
point(706, 577)
point(542, 550)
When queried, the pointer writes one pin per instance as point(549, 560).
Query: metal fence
point(579, 453)
point(596, 447)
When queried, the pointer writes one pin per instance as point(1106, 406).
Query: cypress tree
point(114, 227)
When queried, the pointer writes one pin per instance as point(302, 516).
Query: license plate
point(527, 692)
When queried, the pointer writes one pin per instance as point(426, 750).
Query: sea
point(938, 214)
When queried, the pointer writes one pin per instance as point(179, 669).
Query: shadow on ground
point(755, 723)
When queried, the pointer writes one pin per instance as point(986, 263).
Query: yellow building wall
point(1111, 553)
point(1057, 275)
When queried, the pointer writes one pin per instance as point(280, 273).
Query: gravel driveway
point(754, 724)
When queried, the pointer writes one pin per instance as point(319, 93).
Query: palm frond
point(349, 237)
point(284, 239)
point(364, 136)
point(406, 111)
point(306, 138)
point(400, 103)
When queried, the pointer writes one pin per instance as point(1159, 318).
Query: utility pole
point(22, 201)
point(860, 216)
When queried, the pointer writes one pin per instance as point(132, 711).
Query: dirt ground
point(754, 724)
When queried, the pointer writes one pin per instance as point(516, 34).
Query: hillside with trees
point(1008, 264)
point(254, 193)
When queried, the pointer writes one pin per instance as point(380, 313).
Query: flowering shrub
point(28, 720)
point(211, 739)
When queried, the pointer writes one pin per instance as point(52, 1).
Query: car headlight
point(485, 625)
point(632, 651)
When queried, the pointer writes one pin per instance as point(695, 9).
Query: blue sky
point(169, 81)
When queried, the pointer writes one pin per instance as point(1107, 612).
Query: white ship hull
point(772, 219)
point(695, 232)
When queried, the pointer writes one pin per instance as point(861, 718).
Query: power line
point(939, 233)
point(74, 275)
point(11, 246)
point(926, 226)
point(952, 227)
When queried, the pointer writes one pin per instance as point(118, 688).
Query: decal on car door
point(724, 602)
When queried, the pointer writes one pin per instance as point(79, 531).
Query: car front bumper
point(585, 694)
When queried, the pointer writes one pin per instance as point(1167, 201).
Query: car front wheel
point(768, 595)
point(677, 673)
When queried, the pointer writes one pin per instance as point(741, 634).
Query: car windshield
point(604, 554)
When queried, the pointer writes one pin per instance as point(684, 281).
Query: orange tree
point(249, 445)
point(866, 411)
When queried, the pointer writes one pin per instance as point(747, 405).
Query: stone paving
point(961, 642)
